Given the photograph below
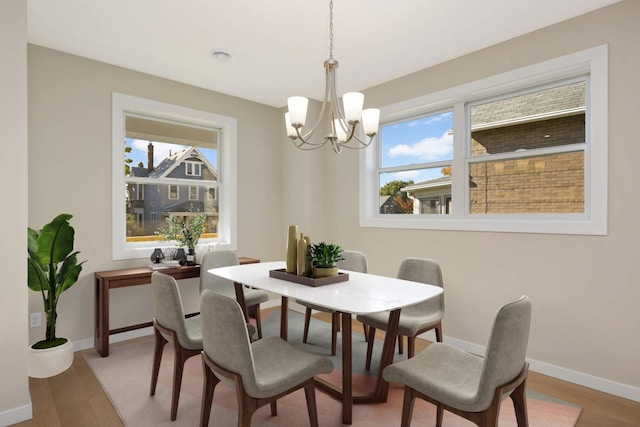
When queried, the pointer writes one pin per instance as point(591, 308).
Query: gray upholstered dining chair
point(224, 258)
point(353, 261)
point(465, 384)
point(170, 325)
point(260, 371)
point(414, 319)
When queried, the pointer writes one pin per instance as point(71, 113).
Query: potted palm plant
point(324, 258)
point(52, 269)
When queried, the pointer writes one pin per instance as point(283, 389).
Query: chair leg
point(258, 322)
point(309, 391)
point(407, 407)
point(411, 347)
point(335, 327)
point(208, 387)
point(307, 319)
point(370, 341)
point(439, 414)
point(438, 329)
point(157, 358)
point(365, 332)
point(400, 341)
point(518, 396)
point(274, 408)
point(178, 367)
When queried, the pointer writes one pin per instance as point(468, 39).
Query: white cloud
point(427, 149)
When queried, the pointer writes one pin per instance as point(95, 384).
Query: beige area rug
point(125, 376)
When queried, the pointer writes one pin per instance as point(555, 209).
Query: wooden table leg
point(101, 317)
point(347, 369)
point(284, 318)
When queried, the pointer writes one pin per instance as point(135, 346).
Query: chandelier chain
point(331, 29)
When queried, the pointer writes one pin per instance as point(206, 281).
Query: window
point(163, 155)
point(192, 169)
point(525, 151)
point(174, 192)
point(193, 193)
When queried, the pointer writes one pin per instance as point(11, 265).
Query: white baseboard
point(601, 384)
point(16, 415)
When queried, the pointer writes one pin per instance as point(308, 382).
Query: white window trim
point(194, 166)
point(593, 61)
point(197, 192)
point(227, 154)
point(177, 192)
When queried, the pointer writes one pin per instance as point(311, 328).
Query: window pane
point(546, 118)
point(542, 184)
point(409, 192)
point(420, 140)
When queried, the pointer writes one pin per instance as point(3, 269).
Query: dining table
point(362, 293)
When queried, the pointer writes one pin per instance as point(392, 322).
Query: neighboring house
point(152, 204)
point(538, 184)
point(387, 206)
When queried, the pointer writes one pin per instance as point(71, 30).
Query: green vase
point(292, 250)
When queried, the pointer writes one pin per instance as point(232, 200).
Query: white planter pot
point(50, 361)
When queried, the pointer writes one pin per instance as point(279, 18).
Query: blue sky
point(421, 140)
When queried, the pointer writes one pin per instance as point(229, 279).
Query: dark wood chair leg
point(258, 322)
point(157, 358)
point(438, 329)
point(365, 331)
point(310, 393)
point(439, 414)
point(407, 407)
point(400, 341)
point(370, 341)
point(519, 398)
point(208, 388)
point(274, 408)
point(411, 347)
point(178, 368)
point(307, 319)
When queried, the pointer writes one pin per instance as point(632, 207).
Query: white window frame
point(592, 62)
point(197, 192)
point(227, 180)
point(169, 187)
point(196, 168)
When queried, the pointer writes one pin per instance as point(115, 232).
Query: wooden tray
point(281, 273)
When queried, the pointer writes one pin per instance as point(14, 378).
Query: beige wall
point(585, 289)
point(70, 171)
point(14, 392)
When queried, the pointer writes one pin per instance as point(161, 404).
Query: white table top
point(363, 293)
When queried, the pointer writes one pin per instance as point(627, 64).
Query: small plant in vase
point(185, 232)
point(324, 258)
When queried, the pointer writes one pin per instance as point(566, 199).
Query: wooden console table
point(111, 279)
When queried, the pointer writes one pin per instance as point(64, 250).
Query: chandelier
point(341, 123)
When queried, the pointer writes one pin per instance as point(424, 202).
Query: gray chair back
point(225, 339)
point(169, 311)
point(215, 259)
point(353, 261)
point(507, 347)
point(426, 271)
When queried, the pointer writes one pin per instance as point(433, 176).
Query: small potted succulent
point(324, 258)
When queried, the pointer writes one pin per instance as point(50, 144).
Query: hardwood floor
point(75, 398)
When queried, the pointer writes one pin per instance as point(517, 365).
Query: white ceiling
point(279, 46)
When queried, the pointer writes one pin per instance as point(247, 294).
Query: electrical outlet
point(35, 320)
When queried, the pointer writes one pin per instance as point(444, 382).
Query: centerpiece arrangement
point(185, 233)
point(310, 264)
